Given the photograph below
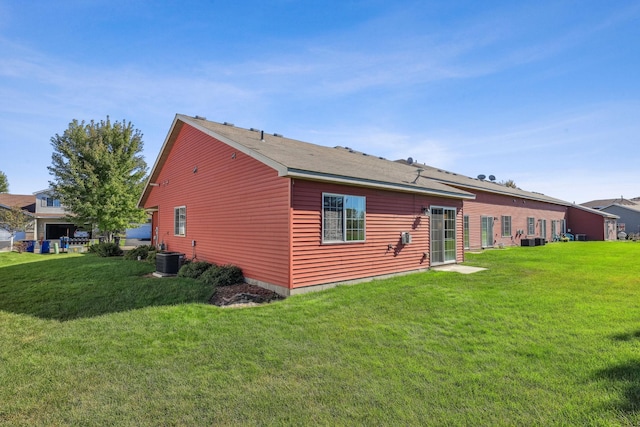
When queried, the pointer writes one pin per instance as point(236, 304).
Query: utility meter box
point(406, 238)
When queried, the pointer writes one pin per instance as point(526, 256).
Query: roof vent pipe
point(262, 135)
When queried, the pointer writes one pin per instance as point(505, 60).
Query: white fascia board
point(157, 162)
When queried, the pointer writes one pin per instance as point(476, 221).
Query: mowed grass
point(546, 336)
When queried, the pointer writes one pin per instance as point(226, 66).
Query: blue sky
point(546, 93)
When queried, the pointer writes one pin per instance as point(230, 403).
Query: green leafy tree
point(4, 183)
point(99, 173)
point(509, 183)
point(13, 220)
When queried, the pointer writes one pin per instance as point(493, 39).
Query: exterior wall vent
point(406, 237)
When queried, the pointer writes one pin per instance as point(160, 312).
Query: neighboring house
point(599, 204)
point(296, 216)
point(50, 215)
point(51, 222)
point(629, 215)
point(502, 216)
point(27, 204)
point(6, 236)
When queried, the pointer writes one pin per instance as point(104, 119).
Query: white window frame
point(345, 231)
point(55, 203)
point(531, 226)
point(466, 233)
point(504, 221)
point(180, 221)
point(441, 245)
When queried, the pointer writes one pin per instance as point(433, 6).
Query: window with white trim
point(180, 221)
point(506, 226)
point(50, 202)
point(531, 226)
point(466, 230)
point(343, 218)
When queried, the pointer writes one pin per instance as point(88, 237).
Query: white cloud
point(392, 146)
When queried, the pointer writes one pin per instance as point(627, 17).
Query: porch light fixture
point(425, 211)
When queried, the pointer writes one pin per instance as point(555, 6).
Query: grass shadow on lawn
point(71, 287)
point(626, 377)
point(627, 336)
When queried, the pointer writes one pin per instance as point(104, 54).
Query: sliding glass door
point(486, 231)
point(443, 235)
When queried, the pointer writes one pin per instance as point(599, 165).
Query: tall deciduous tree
point(4, 183)
point(13, 220)
point(98, 174)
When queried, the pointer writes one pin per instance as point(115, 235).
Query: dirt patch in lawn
point(242, 294)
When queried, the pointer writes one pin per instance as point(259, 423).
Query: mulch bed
point(242, 294)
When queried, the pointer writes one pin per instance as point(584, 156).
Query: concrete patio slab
point(457, 268)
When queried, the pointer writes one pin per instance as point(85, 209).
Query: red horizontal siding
point(237, 208)
point(388, 214)
point(496, 206)
point(590, 224)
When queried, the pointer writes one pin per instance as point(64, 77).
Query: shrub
point(19, 247)
point(225, 275)
point(140, 251)
point(194, 269)
point(151, 256)
point(106, 249)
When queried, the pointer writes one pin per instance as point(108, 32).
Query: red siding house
point(584, 222)
point(297, 216)
point(503, 216)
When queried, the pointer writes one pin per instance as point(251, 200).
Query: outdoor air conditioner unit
point(406, 238)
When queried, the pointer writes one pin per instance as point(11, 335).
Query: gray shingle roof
point(475, 184)
point(300, 159)
point(26, 202)
point(597, 204)
point(303, 160)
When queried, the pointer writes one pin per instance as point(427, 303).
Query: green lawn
point(546, 336)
